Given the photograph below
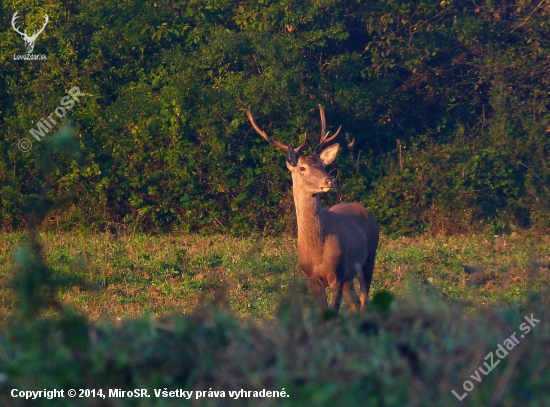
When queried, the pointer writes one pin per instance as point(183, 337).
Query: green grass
point(135, 275)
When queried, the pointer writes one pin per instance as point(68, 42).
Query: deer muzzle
point(328, 184)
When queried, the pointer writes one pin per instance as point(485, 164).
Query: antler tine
point(269, 139)
point(13, 20)
point(324, 138)
point(328, 140)
point(323, 124)
point(37, 33)
point(303, 143)
point(263, 134)
point(45, 23)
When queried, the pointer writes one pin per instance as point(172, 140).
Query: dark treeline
point(447, 102)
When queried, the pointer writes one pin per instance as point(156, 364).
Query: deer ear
point(329, 154)
point(291, 157)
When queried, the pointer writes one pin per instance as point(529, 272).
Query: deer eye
point(302, 169)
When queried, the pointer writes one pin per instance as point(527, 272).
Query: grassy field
point(249, 323)
point(133, 275)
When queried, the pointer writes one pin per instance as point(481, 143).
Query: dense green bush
point(447, 102)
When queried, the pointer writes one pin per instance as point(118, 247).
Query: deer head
point(29, 40)
point(309, 175)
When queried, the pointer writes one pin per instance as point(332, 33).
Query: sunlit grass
point(134, 275)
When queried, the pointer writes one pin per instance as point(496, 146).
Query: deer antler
point(24, 34)
point(37, 33)
point(13, 19)
point(269, 139)
point(323, 138)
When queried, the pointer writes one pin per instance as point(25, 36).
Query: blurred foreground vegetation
point(249, 322)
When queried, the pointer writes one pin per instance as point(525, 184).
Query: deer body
point(335, 245)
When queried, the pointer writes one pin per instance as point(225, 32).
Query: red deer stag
point(335, 245)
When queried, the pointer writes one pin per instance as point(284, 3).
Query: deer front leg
point(318, 291)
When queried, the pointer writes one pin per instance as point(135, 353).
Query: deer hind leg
point(351, 296)
point(336, 295)
point(365, 278)
point(319, 294)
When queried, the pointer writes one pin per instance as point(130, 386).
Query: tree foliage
point(447, 102)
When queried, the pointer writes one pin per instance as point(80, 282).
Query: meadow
point(131, 275)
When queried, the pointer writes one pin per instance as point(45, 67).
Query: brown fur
point(335, 245)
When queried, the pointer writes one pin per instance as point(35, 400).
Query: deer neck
point(309, 214)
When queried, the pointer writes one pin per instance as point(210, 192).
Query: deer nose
point(329, 182)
